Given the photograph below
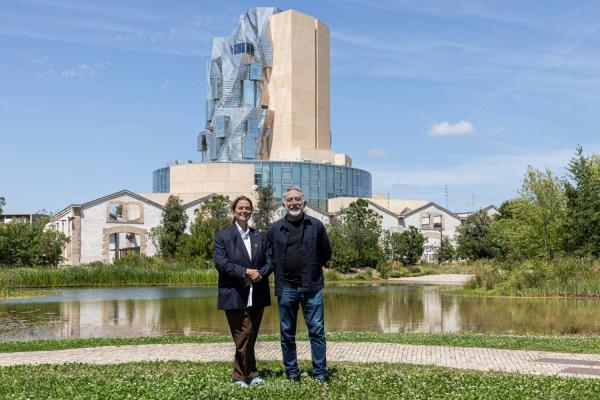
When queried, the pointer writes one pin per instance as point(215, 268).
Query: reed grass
point(537, 278)
point(104, 275)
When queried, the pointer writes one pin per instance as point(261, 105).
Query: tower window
point(246, 48)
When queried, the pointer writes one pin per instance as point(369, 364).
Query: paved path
point(439, 279)
point(481, 359)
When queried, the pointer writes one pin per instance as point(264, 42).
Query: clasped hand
point(253, 275)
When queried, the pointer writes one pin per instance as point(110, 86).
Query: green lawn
point(569, 344)
point(188, 380)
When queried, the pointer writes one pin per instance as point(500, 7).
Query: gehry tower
point(238, 122)
point(268, 115)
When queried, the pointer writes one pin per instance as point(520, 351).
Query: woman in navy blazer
point(242, 257)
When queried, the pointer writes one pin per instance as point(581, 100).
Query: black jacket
point(315, 249)
point(231, 260)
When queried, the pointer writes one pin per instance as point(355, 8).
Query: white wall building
point(112, 226)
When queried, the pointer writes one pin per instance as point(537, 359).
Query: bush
point(198, 246)
point(354, 235)
point(473, 241)
point(23, 244)
point(446, 251)
point(169, 235)
point(406, 247)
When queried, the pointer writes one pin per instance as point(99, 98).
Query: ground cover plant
point(188, 380)
point(559, 343)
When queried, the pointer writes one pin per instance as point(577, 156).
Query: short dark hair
point(238, 199)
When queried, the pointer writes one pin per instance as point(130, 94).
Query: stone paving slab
point(480, 359)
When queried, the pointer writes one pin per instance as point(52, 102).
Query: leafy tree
point(354, 234)
point(25, 244)
point(506, 210)
point(543, 190)
point(406, 247)
point(515, 234)
point(168, 236)
point(210, 217)
point(414, 245)
point(446, 251)
point(343, 258)
point(2, 204)
point(581, 227)
point(473, 241)
point(264, 211)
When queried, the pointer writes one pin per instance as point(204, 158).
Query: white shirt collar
point(241, 231)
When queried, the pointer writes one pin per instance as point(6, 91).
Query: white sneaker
point(239, 383)
point(257, 380)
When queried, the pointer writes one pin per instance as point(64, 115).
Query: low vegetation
point(189, 380)
point(560, 277)
point(131, 270)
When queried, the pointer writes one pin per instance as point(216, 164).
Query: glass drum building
point(318, 181)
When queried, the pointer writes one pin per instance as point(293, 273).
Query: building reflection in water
point(126, 312)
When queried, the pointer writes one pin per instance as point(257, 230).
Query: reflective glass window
point(305, 173)
point(216, 86)
point(314, 173)
point(249, 147)
point(296, 173)
point(248, 93)
point(212, 148)
point(253, 127)
point(276, 171)
point(266, 172)
point(221, 125)
point(308, 194)
point(255, 72)
point(209, 109)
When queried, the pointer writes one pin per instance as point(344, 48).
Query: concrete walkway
point(481, 359)
point(439, 279)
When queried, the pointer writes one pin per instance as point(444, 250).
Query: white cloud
point(84, 70)
point(448, 129)
point(378, 152)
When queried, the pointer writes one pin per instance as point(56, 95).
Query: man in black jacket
point(300, 248)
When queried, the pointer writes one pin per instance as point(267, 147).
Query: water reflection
point(184, 311)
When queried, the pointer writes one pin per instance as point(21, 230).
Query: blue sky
point(95, 95)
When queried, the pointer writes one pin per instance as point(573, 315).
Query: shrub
point(25, 244)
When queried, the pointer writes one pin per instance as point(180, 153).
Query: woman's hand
point(253, 275)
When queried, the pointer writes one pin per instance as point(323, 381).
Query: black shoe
point(320, 379)
point(294, 378)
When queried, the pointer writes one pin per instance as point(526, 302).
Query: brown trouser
point(244, 325)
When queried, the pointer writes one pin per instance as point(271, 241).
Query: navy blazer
point(231, 259)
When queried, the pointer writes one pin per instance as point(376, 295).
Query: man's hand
point(253, 275)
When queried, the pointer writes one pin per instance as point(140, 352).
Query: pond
point(155, 311)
